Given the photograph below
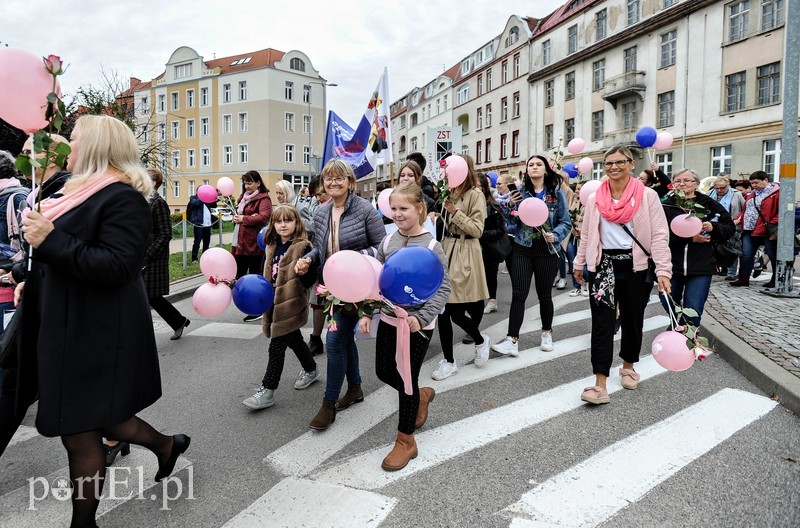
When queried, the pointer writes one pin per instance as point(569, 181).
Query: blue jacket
point(558, 220)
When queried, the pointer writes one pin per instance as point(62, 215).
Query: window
point(190, 157)
point(306, 155)
point(598, 125)
point(402, 121)
point(288, 154)
point(569, 129)
point(413, 143)
point(423, 113)
point(772, 157)
point(504, 72)
point(176, 159)
point(549, 92)
point(145, 135)
point(479, 118)
point(297, 64)
point(735, 91)
point(513, 36)
point(738, 20)
point(190, 128)
point(488, 116)
point(414, 119)
point(546, 52)
point(598, 74)
point(569, 86)
point(183, 70)
point(669, 3)
point(288, 122)
point(721, 158)
point(176, 189)
point(243, 157)
point(191, 188)
point(307, 124)
point(189, 98)
point(242, 121)
point(203, 96)
point(464, 66)
point(205, 157)
point(174, 100)
point(479, 153)
point(463, 94)
point(548, 137)
point(516, 65)
point(769, 83)
point(629, 115)
point(288, 91)
point(515, 105)
point(503, 146)
point(515, 144)
point(227, 124)
point(480, 83)
point(438, 106)
point(666, 109)
point(227, 155)
point(572, 39)
point(444, 100)
point(488, 150)
point(226, 93)
point(601, 21)
point(306, 93)
point(162, 131)
point(634, 9)
point(669, 46)
point(144, 106)
point(162, 103)
point(665, 163)
point(630, 59)
point(771, 14)
point(176, 130)
point(504, 109)
point(489, 80)
point(243, 90)
point(205, 128)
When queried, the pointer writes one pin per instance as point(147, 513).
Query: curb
point(758, 369)
point(184, 288)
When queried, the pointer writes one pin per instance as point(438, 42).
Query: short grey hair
point(690, 171)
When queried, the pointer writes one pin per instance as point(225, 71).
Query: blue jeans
point(572, 250)
point(690, 291)
point(340, 347)
point(749, 247)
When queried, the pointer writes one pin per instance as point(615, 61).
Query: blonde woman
point(284, 192)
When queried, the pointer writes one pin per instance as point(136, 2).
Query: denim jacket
point(558, 219)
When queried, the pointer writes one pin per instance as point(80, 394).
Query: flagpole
point(391, 172)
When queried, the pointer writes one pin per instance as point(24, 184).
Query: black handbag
point(498, 249)
point(725, 255)
point(499, 246)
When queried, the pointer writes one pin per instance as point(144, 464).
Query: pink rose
point(332, 326)
point(321, 290)
point(700, 353)
point(442, 163)
point(679, 328)
point(53, 64)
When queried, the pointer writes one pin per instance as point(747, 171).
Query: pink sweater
point(649, 227)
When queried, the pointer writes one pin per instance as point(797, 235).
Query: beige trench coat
point(467, 275)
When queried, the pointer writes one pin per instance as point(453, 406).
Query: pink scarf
point(52, 208)
point(5, 183)
point(402, 354)
point(621, 212)
point(246, 197)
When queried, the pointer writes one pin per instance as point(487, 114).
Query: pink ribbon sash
point(402, 354)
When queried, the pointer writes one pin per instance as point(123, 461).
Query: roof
point(265, 58)
point(136, 85)
point(563, 13)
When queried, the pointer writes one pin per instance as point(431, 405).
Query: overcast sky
point(349, 42)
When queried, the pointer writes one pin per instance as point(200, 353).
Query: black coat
point(155, 267)
point(85, 314)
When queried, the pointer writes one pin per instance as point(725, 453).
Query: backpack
point(11, 242)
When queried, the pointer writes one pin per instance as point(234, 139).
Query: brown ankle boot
point(325, 417)
point(353, 395)
point(426, 396)
point(405, 448)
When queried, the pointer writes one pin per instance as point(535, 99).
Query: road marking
point(23, 434)
point(301, 502)
point(605, 486)
point(228, 330)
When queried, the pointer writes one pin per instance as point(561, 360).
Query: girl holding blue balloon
point(415, 279)
point(286, 242)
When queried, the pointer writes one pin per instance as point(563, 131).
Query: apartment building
point(204, 119)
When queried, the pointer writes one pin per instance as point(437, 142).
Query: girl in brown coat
point(286, 242)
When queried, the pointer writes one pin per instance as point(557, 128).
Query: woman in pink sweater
point(621, 209)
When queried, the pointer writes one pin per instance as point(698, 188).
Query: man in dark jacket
point(199, 215)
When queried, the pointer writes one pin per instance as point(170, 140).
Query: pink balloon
point(377, 267)
point(575, 145)
point(24, 87)
point(670, 351)
point(456, 170)
point(225, 187)
point(207, 193)
point(663, 141)
point(533, 212)
point(349, 276)
point(211, 300)
point(588, 189)
point(219, 263)
point(686, 226)
point(585, 165)
point(383, 203)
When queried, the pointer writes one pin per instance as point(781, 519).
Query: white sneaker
point(561, 284)
point(504, 270)
point(547, 342)
point(444, 370)
point(262, 399)
point(507, 347)
point(575, 292)
point(482, 352)
point(491, 306)
point(585, 290)
point(304, 379)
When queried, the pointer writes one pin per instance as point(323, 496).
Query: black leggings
point(277, 355)
point(249, 264)
point(466, 315)
point(529, 263)
point(386, 369)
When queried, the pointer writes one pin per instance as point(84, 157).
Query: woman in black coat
point(85, 310)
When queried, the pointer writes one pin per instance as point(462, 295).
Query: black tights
point(466, 315)
point(87, 459)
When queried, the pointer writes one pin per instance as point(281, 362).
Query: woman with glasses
point(760, 209)
point(621, 209)
point(693, 263)
point(348, 222)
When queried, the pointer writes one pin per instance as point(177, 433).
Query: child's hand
point(301, 266)
point(413, 324)
point(364, 324)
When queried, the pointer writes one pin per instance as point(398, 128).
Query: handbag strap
point(623, 226)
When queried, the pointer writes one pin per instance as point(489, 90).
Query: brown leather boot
point(426, 396)
point(325, 417)
point(405, 448)
point(353, 395)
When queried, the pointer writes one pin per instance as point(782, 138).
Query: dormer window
point(297, 64)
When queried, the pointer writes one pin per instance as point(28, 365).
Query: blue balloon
point(571, 169)
point(492, 179)
point(646, 136)
point(411, 276)
point(253, 294)
point(260, 238)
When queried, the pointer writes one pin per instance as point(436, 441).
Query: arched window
point(513, 36)
point(297, 64)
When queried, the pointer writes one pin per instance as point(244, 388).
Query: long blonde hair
point(106, 143)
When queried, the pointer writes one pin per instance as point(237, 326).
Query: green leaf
point(689, 344)
point(52, 97)
point(62, 149)
point(690, 312)
point(24, 164)
point(703, 341)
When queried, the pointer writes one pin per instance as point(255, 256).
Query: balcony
point(630, 83)
point(624, 136)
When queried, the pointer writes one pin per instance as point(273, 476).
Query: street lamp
point(324, 111)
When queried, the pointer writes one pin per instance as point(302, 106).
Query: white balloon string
point(670, 310)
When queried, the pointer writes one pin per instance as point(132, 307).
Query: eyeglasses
point(616, 163)
point(720, 188)
point(680, 182)
point(334, 179)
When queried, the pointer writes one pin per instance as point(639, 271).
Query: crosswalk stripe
point(23, 434)
point(605, 486)
point(228, 330)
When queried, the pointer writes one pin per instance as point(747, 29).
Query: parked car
point(223, 212)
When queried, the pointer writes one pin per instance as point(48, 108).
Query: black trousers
point(9, 419)
point(277, 356)
point(201, 234)
point(466, 315)
point(249, 264)
point(632, 294)
point(535, 264)
point(169, 313)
